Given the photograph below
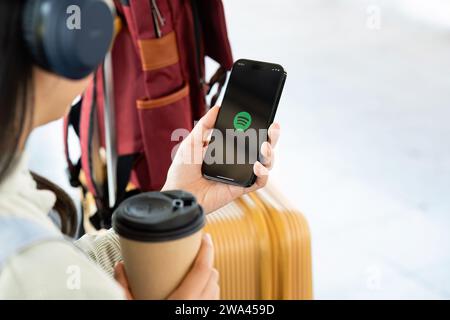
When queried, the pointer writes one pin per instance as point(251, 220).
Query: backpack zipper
point(158, 19)
point(197, 37)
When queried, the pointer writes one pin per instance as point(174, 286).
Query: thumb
point(202, 130)
point(121, 277)
point(192, 147)
point(209, 119)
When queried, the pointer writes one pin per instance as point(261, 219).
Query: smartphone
point(248, 109)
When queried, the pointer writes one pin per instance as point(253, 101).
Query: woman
point(55, 269)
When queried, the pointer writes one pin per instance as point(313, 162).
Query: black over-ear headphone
point(68, 37)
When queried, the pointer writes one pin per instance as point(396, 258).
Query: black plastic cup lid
point(158, 216)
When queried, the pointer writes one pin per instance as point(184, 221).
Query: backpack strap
point(18, 234)
point(72, 120)
point(219, 78)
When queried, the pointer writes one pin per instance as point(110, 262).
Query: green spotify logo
point(242, 121)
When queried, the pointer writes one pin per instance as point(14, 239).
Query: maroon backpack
point(157, 85)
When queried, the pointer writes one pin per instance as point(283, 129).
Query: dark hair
point(16, 102)
point(16, 72)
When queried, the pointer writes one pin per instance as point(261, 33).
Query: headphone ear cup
point(71, 51)
point(30, 25)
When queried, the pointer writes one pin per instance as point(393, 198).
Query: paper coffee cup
point(160, 236)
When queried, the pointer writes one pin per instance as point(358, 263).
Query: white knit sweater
point(47, 270)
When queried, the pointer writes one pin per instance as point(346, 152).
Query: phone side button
point(225, 178)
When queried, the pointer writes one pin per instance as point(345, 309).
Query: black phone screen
point(248, 109)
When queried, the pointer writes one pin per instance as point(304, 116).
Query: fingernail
point(208, 238)
point(263, 171)
point(269, 150)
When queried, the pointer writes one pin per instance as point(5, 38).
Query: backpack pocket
point(159, 53)
point(159, 119)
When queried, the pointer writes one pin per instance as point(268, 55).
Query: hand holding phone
point(186, 174)
point(248, 109)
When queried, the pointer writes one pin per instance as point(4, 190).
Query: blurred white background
point(365, 151)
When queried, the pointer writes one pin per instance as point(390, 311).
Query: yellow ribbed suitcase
point(263, 248)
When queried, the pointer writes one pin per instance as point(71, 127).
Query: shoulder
point(55, 270)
